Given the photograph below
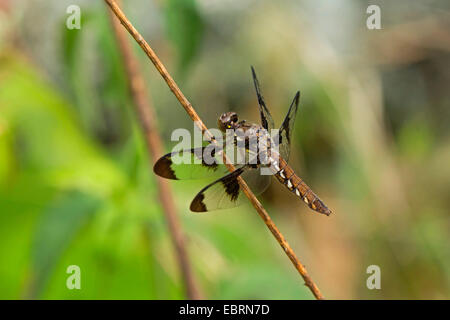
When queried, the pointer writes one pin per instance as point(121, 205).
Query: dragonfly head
point(227, 120)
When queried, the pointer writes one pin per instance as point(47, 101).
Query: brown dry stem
point(145, 114)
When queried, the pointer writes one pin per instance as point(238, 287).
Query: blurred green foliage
point(76, 186)
point(185, 29)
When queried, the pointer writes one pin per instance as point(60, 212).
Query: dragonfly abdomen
point(286, 175)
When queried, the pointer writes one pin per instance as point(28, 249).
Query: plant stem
point(146, 116)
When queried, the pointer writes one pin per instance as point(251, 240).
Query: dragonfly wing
point(266, 118)
point(196, 163)
point(285, 132)
point(226, 193)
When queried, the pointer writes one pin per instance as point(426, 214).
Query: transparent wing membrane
point(226, 193)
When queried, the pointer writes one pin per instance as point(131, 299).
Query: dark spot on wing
point(163, 168)
point(197, 205)
point(287, 130)
point(231, 185)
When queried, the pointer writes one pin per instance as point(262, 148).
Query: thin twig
point(145, 114)
point(194, 116)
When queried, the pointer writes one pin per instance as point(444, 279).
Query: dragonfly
point(225, 192)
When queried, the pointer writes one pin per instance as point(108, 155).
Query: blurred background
point(371, 138)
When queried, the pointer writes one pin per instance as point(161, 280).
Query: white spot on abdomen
point(289, 184)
